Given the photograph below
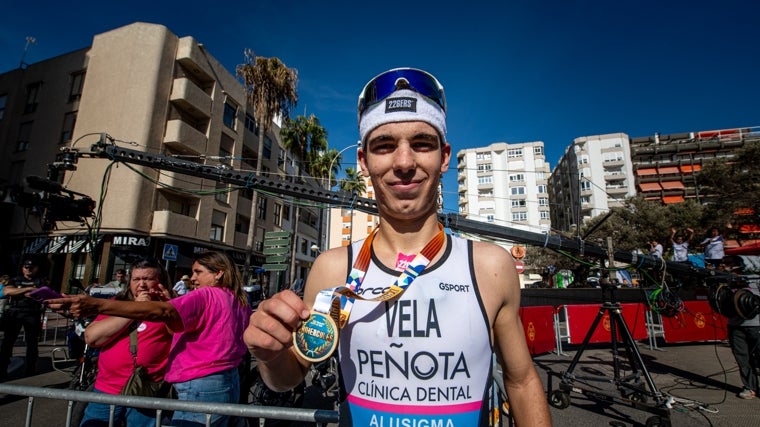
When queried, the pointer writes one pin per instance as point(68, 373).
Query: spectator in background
point(3, 281)
point(119, 282)
point(112, 335)
point(744, 338)
point(22, 312)
point(713, 247)
point(655, 249)
point(181, 287)
point(680, 246)
point(207, 323)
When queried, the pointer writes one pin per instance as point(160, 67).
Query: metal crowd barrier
point(319, 416)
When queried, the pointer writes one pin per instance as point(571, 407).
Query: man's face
point(29, 270)
point(120, 277)
point(405, 162)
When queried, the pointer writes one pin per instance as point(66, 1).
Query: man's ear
point(445, 156)
point(362, 156)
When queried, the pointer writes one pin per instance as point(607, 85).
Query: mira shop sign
point(134, 241)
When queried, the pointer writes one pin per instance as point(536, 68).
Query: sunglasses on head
point(390, 81)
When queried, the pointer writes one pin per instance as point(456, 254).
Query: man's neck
point(403, 237)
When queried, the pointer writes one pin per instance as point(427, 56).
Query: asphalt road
point(700, 381)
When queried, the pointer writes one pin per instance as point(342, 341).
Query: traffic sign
point(170, 252)
point(279, 250)
point(276, 242)
point(276, 259)
point(520, 266)
point(274, 267)
point(276, 234)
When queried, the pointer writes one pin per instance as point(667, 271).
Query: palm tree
point(305, 138)
point(352, 183)
point(271, 90)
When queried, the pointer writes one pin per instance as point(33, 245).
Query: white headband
point(403, 105)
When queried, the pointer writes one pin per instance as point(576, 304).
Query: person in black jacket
point(22, 312)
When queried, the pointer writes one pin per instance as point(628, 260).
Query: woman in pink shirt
point(208, 326)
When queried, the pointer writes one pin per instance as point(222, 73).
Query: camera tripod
point(632, 391)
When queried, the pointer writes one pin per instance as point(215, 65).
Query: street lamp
point(326, 243)
point(332, 162)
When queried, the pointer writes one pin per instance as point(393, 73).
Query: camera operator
point(744, 338)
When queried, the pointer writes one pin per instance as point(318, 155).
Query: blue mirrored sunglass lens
point(385, 84)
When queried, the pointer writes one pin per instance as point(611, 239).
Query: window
point(539, 151)
point(489, 218)
point(482, 156)
point(69, 120)
point(77, 82)
point(286, 213)
point(517, 190)
point(24, 133)
point(218, 218)
point(485, 167)
point(230, 114)
point(3, 103)
point(541, 188)
point(514, 152)
point(543, 201)
point(180, 206)
point(278, 214)
point(267, 148)
point(582, 160)
point(518, 177)
point(250, 124)
point(485, 180)
point(221, 192)
point(261, 207)
point(544, 214)
point(304, 245)
point(282, 158)
point(519, 216)
point(32, 95)
point(242, 224)
point(585, 185)
point(518, 203)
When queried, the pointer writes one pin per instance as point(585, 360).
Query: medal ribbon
point(338, 301)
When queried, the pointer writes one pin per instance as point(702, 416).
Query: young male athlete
point(418, 313)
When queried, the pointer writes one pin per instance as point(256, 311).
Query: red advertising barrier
point(538, 323)
point(698, 322)
point(581, 316)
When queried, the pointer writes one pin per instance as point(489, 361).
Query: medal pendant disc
point(316, 339)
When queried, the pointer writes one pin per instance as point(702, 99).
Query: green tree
point(306, 139)
point(352, 183)
point(271, 90)
point(732, 186)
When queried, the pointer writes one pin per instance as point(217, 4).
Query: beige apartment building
point(148, 90)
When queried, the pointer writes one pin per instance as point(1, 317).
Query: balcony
point(178, 181)
point(183, 137)
point(174, 224)
point(190, 98)
point(616, 189)
point(190, 55)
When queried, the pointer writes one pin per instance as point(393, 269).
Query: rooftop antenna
point(29, 41)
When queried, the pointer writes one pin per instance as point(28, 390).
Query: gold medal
point(317, 338)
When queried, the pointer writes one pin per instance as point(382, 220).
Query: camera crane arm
point(341, 198)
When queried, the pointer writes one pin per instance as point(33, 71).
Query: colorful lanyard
point(339, 301)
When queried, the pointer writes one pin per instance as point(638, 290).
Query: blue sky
point(513, 71)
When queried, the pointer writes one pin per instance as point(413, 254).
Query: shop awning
point(64, 244)
point(668, 170)
point(672, 185)
point(646, 171)
point(650, 186)
point(672, 199)
point(690, 168)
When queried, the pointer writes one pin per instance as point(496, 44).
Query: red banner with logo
point(538, 324)
point(698, 322)
point(581, 316)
